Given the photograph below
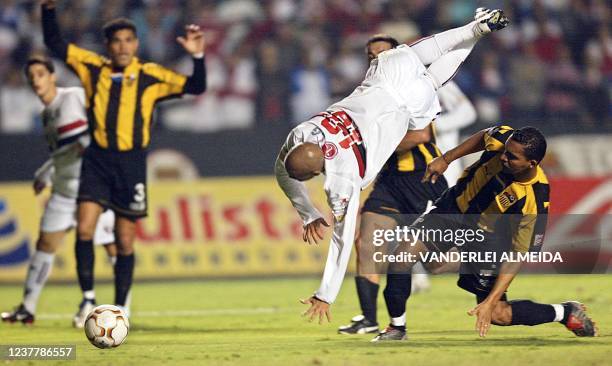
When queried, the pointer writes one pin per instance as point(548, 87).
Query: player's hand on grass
point(193, 41)
point(38, 186)
point(318, 308)
point(435, 169)
point(483, 312)
point(49, 4)
point(313, 232)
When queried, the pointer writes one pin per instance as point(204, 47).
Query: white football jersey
point(395, 96)
point(65, 124)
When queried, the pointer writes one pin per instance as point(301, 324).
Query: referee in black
point(121, 93)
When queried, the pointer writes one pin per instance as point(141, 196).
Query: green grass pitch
point(257, 322)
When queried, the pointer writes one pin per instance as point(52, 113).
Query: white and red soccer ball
point(106, 326)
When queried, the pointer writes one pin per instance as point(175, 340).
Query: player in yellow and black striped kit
point(505, 195)
point(121, 94)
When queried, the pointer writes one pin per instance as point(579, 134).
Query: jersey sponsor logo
point(538, 240)
point(117, 77)
point(338, 207)
point(330, 150)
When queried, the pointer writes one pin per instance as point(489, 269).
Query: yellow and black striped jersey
point(487, 192)
point(120, 103)
point(414, 160)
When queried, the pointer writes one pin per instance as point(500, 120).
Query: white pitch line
point(179, 313)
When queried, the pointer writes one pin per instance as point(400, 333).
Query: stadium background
point(215, 209)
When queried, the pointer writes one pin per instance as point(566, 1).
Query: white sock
point(400, 321)
point(40, 268)
point(431, 48)
point(89, 295)
point(559, 312)
point(128, 302)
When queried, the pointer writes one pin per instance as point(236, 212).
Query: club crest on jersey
point(330, 150)
point(507, 199)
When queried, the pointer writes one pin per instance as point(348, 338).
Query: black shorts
point(403, 194)
point(478, 284)
point(115, 180)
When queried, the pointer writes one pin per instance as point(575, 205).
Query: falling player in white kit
point(66, 129)
point(353, 139)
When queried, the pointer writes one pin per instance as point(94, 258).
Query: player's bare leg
point(368, 277)
point(125, 232)
point(39, 270)
point(87, 218)
point(111, 252)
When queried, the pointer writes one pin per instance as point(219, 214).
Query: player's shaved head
point(305, 161)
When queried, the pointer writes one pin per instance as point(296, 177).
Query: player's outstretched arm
point(314, 231)
point(194, 43)
point(296, 192)
point(318, 308)
point(438, 166)
point(345, 222)
point(51, 30)
point(484, 310)
point(414, 138)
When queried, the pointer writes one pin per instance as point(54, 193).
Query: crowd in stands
point(278, 62)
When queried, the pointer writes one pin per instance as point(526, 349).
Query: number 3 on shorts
point(140, 194)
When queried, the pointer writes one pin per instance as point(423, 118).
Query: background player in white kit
point(351, 142)
point(66, 129)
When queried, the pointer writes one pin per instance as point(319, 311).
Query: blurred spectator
point(19, 107)
point(527, 83)
point(280, 61)
point(310, 91)
point(493, 87)
point(272, 101)
point(564, 88)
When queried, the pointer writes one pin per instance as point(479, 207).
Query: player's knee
point(85, 230)
point(374, 278)
point(502, 314)
point(45, 245)
point(125, 244)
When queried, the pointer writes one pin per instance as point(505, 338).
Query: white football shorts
point(60, 215)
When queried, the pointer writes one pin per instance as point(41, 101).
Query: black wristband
point(315, 296)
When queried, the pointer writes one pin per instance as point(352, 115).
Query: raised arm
point(51, 31)
point(194, 43)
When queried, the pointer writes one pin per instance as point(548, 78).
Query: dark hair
point(533, 141)
point(42, 60)
point(116, 25)
point(383, 38)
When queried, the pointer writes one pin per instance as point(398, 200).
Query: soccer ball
point(106, 326)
